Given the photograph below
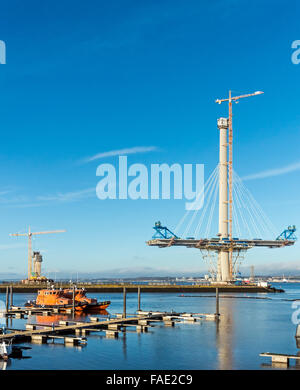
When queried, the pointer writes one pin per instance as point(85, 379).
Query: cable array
point(249, 220)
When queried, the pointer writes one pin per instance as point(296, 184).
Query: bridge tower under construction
point(223, 273)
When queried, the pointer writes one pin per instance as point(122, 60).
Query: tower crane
point(29, 235)
point(231, 99)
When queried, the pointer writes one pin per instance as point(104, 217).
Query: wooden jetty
point(280, 358)
point(39, 333)
point(141, 320)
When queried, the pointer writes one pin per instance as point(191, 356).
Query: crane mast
point(29, 235)
point(229, 196)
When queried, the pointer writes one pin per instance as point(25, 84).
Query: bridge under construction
point(227, 249)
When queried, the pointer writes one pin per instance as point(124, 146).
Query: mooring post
point(124, 302)
point(139, 298)
point(6, 302)
point(73, 301)
point(217, 302)
point(11, 297)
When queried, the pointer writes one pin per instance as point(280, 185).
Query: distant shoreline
point(149, 288)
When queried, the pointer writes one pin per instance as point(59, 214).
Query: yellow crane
point(29, 235)
point(231, 99)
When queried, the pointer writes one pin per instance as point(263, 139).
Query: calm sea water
point(247, 327)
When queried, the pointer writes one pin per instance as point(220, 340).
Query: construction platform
point(217, 244)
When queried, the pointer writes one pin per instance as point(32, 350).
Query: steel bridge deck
point(217, 245)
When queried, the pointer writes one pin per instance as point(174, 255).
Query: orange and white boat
point(63, 299)
point(80, 297)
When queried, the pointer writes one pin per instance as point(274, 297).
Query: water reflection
point(124, 346)
point(55, 318)
point(224, 334)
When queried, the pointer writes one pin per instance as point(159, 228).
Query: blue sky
point(83, 79)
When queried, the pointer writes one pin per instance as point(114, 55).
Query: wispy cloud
point(273, 172)
point(12, 246)
point(68, 196)
point(44, 200)
point(111, 153)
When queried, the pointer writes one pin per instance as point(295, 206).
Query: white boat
point(5, 349)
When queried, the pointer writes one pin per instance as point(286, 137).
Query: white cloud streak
point(273, 172)
point(12, 246)
point(43, 200)
point(68, 196)
point(111, 153)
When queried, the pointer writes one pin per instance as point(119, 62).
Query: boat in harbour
point(63, 299)
point(92, 304)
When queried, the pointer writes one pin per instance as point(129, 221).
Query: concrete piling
point(113, 327)
point(124, 302)
point(30, 327)
point(217, 302)
point(139, 298)
point(73, 301)
point(169, 323)
point(82, 332)
point(11, 297)
point(141, 328)
point(189, 319)
point(143, 322)
point(64, 323)
point(71, 341)
point(111, 334)
point(6, 301)
point(38, 339)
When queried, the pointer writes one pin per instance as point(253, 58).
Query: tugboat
point(63, 299)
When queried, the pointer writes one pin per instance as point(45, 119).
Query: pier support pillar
point(111, 334)
point(143, 322)
point(6, 301)
point(71, 341)
point(63, 323)
point(113, 326)
point(139, 298)
point(30, 327)
point(217, 302)
point(11, 297)
point(73, 301)
point(141, 328)
point(169, 323)
point(124, 302)
point(38, 339)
